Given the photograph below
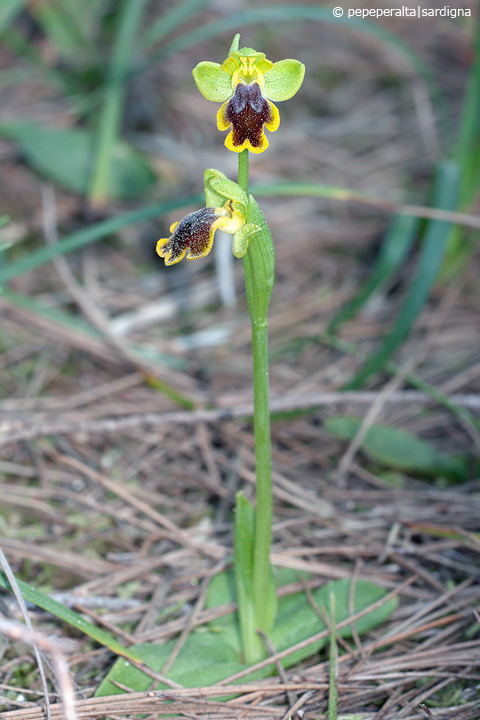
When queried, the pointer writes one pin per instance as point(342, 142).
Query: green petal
point(264, 65)
point(213, 81)
point(283, 80)
point(230, 65)
point(242, 238)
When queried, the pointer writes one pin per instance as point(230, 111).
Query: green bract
point(219, 188)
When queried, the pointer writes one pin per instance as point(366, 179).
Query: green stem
point(332, 684)
point(243, 170)
point(263, 594)
point(263, 465)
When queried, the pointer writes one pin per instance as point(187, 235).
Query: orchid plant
point(246, 84)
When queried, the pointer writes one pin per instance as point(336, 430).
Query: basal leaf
point(212, 654)
point(398, 448)
point(8, 10)
point(66, 157)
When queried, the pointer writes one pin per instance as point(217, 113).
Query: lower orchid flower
point(196, 231)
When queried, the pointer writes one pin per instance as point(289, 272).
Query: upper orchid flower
point(245, 84)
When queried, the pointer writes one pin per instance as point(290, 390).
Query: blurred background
point(371, 189)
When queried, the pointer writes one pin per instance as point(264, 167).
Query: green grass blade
point(79, 239)
point(21, 45)
point(88, 16)
point(469, 135)
point(47, 603)
point(59, 27)
point(311, 189)
point(112, 108)
point(343, 194)
point(8, 11)
point(446, 189)
point(170, 20)
point(395, 248)
point(462, 244)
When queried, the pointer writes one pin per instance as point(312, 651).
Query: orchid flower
point(246, 84)
point(226, 210)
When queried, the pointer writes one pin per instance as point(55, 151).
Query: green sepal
point(213, 81)
point(235, 44)
point(219, 189)
point(241, 239)
point(250, 52)
point(283, 80)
